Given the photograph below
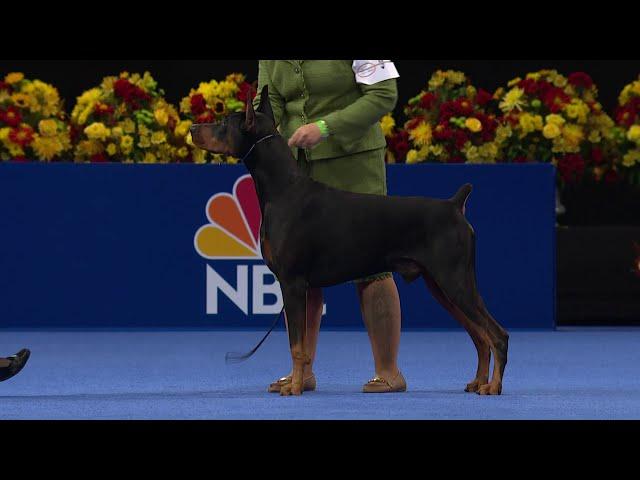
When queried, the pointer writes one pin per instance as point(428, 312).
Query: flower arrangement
point(126, 120)
point(553, 118)
point(211, 102)
point(452, 122)
point(627, 131)
point(32, 120)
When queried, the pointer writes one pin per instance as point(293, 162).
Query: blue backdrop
point(108, 245)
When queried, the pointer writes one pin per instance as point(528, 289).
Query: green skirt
point(362, 172)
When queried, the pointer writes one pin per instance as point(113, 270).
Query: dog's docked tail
point(460, 198)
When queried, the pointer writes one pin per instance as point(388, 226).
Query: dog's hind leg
point(499, 340)
point(295, 303)
point(482, 346)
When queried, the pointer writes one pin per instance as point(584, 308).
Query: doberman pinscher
point(316, 236)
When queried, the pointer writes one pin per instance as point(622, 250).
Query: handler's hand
point(307, 136)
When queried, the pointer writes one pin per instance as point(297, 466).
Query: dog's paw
point(490, 389)
point(472, 387)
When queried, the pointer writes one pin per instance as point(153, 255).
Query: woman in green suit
point(330, 111)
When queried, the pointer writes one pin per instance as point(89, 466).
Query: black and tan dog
point(315, 236)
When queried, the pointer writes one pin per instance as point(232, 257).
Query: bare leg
point(380, 306)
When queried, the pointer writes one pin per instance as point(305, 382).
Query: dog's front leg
point(295, 304)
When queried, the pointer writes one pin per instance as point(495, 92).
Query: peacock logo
point(232, 236)
point(234, 224)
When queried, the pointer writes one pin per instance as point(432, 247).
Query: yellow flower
point(182, 129)
point(47, 128)
point(128, 125)
point(472, 154)
point(112, 149)
point(513, 100)
point(634, 133)
point(149, 158)
point(437, 150)
point(555, 120)
point(183, 152)
point(14, 77)
point(503, 132)
point(126, 143)
point(594, 136)
point(412, 156)
point(473, 124)
point(189, 140)
point(577, 110)
point(387, 123)
point(88, 148)
point(117, 132)
point(421, 135)
point(631, 158)
point(498, 93)
point(162, 117)
point(232, 160)
point(158, 137)
point(4, 134)
point(513, 82)
point(97, 131)
point(47, 147)
point(144, 142)
point(199, 156)
point(572, 135)
point(15, 150)
point(236, 78)
point(551, 130)
point(530, 123)
point(21, 100)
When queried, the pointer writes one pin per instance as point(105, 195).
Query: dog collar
point(254, 145)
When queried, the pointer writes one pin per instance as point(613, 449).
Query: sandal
point(18, 361)
point(309, 384)
point(380, 385)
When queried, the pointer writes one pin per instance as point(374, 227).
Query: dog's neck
point(273, 168)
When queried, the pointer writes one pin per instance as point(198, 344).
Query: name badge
point(369, 72)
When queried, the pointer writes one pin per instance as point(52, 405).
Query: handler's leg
point(380, 306)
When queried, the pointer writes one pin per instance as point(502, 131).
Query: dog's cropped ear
point(265, 103)
point(250, 118)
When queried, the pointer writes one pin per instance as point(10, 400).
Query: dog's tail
point(235, 357)
point(460, 198)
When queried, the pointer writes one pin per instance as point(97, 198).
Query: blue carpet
point(574, 374)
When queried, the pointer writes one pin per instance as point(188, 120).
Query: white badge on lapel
point(374, 71)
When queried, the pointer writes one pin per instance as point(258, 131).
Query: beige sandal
point(309, 384)
point(380, 385)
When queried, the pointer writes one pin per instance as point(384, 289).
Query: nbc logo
point(233, 234)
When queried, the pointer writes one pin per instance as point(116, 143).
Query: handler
point(330, 112)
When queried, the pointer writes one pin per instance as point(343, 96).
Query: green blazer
point(305, 91)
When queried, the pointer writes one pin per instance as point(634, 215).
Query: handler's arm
point(377, 100)
point(277, 101)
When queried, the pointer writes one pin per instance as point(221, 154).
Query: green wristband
point(324, 130)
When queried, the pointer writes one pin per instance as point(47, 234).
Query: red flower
point(625, 116)
point(531, 86)
point(103, 109)
point(555, 98)
point(21, 159)
point(460, 138)
point(447, 110)
point(442, 132)
point(11, 116)
point(130, 93)
point(198, 104)
point(611, 177)
point(5, 86)
point(580, 79)
point(428, 100)
point(571, 167)
point(596, 155)
point(521, 159)
point(414, 122)
point(99, 158)
point(246, 89)
point(22, 136)
point(207, 117)
point(483, 97)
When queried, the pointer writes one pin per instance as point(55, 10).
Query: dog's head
point(235, 134)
